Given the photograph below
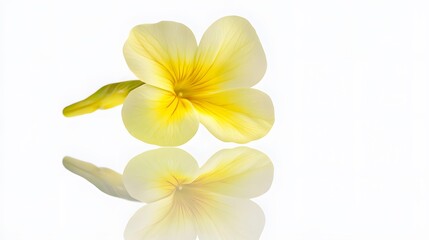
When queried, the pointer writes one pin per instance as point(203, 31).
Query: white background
point(350, 84)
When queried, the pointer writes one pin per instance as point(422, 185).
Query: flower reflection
point(185, 201)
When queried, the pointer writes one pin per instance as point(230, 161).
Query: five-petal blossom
point(185, 201)
point(188, 83)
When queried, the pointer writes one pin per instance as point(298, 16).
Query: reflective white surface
point(350, 84)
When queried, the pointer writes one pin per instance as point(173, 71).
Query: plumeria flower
point(187, 83)
point(185, 201)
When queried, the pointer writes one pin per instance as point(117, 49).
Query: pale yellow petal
point(230, 55)
point(193, 211)
point(238, 172)
point(155, 174)
point(106, 97)
point(239, 115)
point(229, 218)
point(161, 220)
point(160, 54)
point(158, 117)
point(105, 179)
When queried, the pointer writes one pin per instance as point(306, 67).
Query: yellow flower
point(187, 83)
point(185, 201)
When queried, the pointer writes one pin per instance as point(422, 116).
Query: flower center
point(182, 90)
point(180, 93)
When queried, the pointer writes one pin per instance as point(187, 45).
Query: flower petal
point(161, 220)
point(155, 174)
point(239, 115)
point(229, 218)
point(160, 53)
point(105, 179)
point(238, 172)
point(106, 97)
point(212, 216)
point(156, 116)
point(230, 55)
